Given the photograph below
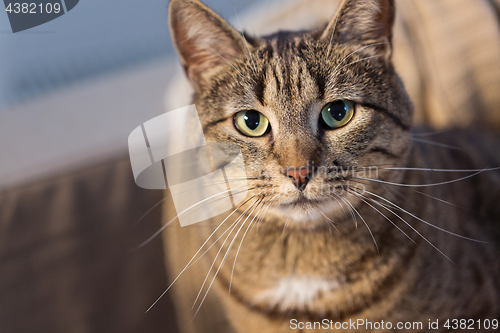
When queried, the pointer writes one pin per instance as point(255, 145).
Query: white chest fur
point(296, 292)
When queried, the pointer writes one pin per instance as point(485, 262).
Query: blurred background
point(71, 91)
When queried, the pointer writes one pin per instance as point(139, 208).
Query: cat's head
point(310, 110)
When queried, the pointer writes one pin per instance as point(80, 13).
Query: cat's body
point(315, 252)
point(312, 275)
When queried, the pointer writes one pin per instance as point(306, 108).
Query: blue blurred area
point(96, 37)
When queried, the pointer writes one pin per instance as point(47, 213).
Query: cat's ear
point(204, 41)
point(363, 23)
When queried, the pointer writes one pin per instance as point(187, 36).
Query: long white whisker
point(428, 133)
point(421, 185)
point(437, 144)
point(366, 58)
point(421, 220)
point(191, 189)
point(201, 247)
point(415, 230)
point(330, 220)
point(443, 201)
point(241, 243)
point(331, 37)
point(225, 60)
point(263, 214)
point(218, 238)
point(360, 49)
point(369, 230)
point(350, 210)
point(244, 39)
point(222, 262)
point(442, 170)
point(393, 190)
point(177, 216)
point(388, 219)
point(219, 251)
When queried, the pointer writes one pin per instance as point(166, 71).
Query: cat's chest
point(296, 292)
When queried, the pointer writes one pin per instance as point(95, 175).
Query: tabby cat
point(348, 216)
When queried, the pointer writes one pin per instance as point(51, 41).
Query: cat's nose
point(300, 176)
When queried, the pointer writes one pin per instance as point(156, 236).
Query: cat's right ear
point(204, 41)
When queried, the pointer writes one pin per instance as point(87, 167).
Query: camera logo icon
point(205, 179)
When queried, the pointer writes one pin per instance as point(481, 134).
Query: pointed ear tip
point(180, 4)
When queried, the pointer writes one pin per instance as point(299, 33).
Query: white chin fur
point(307, 212)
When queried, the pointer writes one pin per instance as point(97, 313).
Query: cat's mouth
point(315, 211)
point(303, 201)
point(306, 210)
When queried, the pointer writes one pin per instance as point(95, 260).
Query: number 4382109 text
point(33, 8)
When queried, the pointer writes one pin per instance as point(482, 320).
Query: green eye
point(251, 123)
point(337, 114)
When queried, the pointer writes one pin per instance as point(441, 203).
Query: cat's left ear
point(367, 23)
point(204, 41)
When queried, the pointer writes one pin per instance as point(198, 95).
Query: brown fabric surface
point(66, 259)
point(448, 54)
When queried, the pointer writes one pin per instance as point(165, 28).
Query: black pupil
point(338, 110)
point(252, 119)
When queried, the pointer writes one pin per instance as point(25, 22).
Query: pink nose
point(300, 176)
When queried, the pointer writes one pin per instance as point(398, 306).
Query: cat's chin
point(305, 213)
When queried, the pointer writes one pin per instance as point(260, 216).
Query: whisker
point(262, 216)
point(428, 133)
point(422, 220)
point(374, 56)
point(435, 143)
point(388, 219)
point(330, 220)
point(242, 35)
point(284, 228)
point(222, 262)
point(331, 37)
point(177, 216)
point(188, 265)
point(444, 170)
point(218, 238)
point(262, 212)
point(444, 201)
point(421, 185)
point(220, 250)
point(233, 192)
point(151, 209)
point(399, 194)
point(360, 49)
point(239, 247)
point(350, 210)
point(192, 189)
point(225, 61)
point(415, 230)
point(366, 224)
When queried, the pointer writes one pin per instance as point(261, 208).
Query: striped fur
point(373, 263)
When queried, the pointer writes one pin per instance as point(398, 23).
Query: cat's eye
point(337, 114)
point(251, 123)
